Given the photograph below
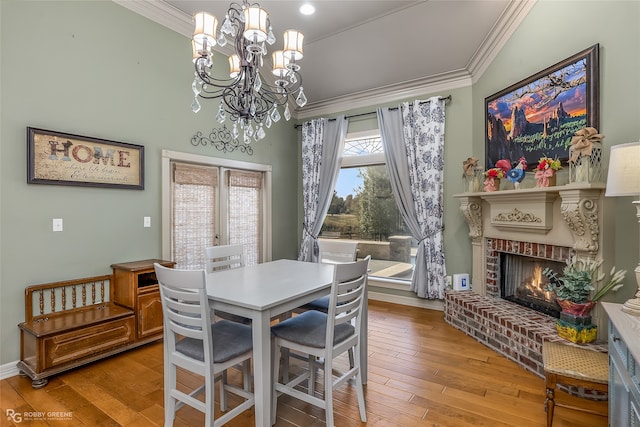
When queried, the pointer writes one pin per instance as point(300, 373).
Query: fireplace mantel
point(567, 215)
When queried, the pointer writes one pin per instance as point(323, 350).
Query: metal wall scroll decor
point(222, 140)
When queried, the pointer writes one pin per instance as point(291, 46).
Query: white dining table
point(261, 292)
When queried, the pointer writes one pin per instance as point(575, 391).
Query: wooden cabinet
point(624, 367)
point(136, 287)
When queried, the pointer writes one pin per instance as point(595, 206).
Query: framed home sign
point(537, 116)
point(65, 159)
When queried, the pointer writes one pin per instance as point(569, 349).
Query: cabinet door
point(619, 395)
point(149, 314)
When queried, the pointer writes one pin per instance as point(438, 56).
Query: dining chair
point(193, 343)
point(325, 336)
point(332, 252)
point(224, 257)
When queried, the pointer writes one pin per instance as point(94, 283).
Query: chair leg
point(312, 375)
point(276, 354)
point(359, 389)
point(223, 392)
point(284, 355)
point(170, 381)
point(246, 375)
point(328, 390)
point(351, 365)
point(550, 402)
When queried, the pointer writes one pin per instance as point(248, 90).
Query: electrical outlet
point(57, 224)
point(449, 282)
point(147, 221)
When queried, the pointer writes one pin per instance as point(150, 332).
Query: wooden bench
point(69, 324)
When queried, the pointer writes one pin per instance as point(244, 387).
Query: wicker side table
point(573, 366)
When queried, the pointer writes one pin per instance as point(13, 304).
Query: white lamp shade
point(234, 66)
point(255, 24)
point(293, 44)
point(623, 178)
point(205, 29)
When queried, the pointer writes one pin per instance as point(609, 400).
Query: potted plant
point(546, 171)
point(573, 289)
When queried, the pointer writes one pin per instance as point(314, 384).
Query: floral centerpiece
point(492, 179)
point(572, 289)
point(545, 171)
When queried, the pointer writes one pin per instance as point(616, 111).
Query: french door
point(209, 201)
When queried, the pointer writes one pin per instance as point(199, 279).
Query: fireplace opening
point(522, 282)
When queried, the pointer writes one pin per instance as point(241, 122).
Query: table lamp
point(623, 179)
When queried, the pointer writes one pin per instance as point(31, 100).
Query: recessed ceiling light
point(307, 9)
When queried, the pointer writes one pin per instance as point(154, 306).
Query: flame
point(535, 286)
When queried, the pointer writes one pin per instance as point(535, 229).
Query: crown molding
point(162, 13)
point(509, 21)
point(396, 92)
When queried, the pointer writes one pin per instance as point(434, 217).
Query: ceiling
point(358, 52)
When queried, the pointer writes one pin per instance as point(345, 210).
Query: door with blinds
point(214, 205)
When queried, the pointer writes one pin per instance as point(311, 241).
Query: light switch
point(57, 224)
point(147, 221)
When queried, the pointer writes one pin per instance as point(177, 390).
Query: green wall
point(553, 31)
point(94, 68)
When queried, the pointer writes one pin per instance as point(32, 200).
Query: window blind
point(195, 195)
point(245, 212)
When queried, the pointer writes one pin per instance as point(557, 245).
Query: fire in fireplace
point(522, 282)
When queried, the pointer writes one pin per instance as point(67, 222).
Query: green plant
point(580, 277)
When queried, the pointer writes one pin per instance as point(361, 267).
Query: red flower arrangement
point(545, 163)
point(495, 173)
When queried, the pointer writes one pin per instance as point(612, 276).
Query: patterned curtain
point(322, 144)
point(413, 139)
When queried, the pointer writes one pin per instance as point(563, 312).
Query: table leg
point(262, 368)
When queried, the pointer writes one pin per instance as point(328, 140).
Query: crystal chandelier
point(248, 101)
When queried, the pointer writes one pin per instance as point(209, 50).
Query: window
point(363, 207)
point(209, 201)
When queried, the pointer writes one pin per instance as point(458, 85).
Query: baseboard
point(8, 370)
point(403, 300)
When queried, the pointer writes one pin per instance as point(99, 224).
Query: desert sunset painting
point(538, 117)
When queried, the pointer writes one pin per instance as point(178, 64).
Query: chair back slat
point(337, 251)
point(348, 293)
point(224, 257)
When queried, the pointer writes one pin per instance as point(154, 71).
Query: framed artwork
point(64, 159)
point(537, 116)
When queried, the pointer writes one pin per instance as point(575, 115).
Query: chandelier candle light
point(244, 97)
point(623, 179)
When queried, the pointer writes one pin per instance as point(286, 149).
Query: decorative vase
point(491, 184)
point(546, 178)
point(575, 322)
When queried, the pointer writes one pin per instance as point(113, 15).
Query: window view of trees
point(370, 214)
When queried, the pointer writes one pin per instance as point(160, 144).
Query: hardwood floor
point(422, 372)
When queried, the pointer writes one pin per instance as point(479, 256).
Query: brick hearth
point(512, 330)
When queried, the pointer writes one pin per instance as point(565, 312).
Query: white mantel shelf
point(537, 211)
point(526, 192)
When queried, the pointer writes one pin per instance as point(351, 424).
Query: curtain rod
point(446, 98)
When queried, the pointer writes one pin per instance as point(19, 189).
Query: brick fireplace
point(553, 224)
